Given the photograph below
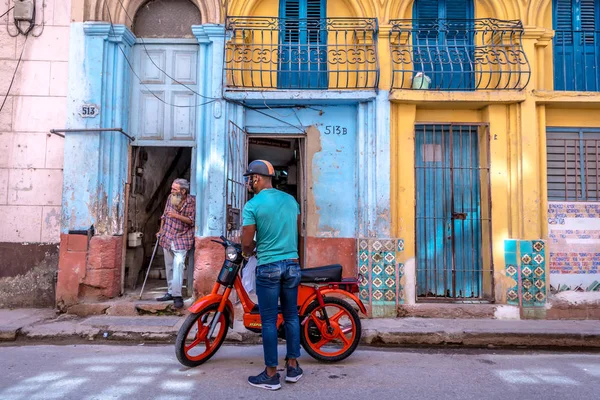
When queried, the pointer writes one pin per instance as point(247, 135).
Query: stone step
point(128, 308)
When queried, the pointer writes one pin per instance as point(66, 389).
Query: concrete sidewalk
point(43, 325)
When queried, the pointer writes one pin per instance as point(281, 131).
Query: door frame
point(303, 183)
point(487, 286)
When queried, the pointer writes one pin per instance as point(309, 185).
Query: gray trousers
point(175, 265)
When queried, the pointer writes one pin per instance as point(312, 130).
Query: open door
point(235, 191)
point(302, 200)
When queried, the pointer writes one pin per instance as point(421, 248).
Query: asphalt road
point(152, 372)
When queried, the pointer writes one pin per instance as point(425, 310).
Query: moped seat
point(327, 273)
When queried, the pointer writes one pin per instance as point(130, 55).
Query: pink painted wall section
point(31, 161)
point(574, 244)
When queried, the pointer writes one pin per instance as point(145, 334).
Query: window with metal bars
point(576, 44)
point(573, 164)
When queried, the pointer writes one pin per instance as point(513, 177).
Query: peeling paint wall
point(331, 142)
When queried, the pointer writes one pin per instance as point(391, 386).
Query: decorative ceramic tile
point(376, 245)
point(400, 245)
point(363, 244)
point(511, 270)
point(538, 246)
point(377, 282)
point(388, 245)
point(390, 295)
point(538, 258)
point(526, 259)
point(380, 271)
point(389, 258)
point(363, 256)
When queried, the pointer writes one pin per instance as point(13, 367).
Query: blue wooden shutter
point(588, 20)
point(564, 21)
point(290, 11)
point(458, 9)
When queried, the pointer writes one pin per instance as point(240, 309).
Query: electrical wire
point(138, 77)
point(38, 34)
point(160, 69)
point(7, 11)
point(14, 74)
point(213, 99)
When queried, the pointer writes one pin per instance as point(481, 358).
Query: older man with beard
point(176, 237)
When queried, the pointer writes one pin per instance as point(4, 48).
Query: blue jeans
point(273, 281)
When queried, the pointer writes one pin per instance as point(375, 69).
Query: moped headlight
point(231, 253)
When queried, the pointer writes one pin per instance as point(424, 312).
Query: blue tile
point(510, 246)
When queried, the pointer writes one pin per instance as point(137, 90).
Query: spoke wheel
point(334, 343)
point(193, 346)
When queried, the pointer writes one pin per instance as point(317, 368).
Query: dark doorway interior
point(286, 155)
point(153, 170)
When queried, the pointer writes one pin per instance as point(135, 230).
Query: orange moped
point(330, 326)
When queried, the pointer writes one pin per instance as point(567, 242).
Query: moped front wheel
point(193, 346)
point(340, 339)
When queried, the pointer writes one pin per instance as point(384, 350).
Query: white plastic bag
point(249, 275)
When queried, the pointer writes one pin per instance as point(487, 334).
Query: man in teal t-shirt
point(274, 216)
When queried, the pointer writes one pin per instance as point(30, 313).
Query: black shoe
point(264, 381)
point(178, 302)
point(166, 297)
point(293, 375)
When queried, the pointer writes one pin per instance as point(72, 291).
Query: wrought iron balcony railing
point(283, 53)
point(458, 55)
point(577, 60)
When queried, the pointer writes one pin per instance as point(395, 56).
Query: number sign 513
point(335, 130)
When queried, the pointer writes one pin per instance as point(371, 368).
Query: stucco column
point(373, 136)
point(95, 170)
point(210, 157)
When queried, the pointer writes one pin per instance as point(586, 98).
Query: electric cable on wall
point(138, 77)
point(14, 74)
point(213, 99)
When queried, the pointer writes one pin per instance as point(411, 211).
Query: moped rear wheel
point(192, 346)
point(335, 344)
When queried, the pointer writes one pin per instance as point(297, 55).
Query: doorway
point(153, 169)
point(286, 153)
point(453, 213)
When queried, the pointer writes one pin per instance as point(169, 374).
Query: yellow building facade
point(514, 117)
point(446, 151)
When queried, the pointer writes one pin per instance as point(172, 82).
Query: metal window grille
point(453, 213)
point(458, 54)
point(308, 53)
point(235, 188)
point(573, 164)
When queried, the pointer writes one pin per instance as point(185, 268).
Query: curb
point(371, 337)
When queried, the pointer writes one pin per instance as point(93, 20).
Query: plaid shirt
point(178, 232)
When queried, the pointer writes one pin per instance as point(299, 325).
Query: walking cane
point(149, 266)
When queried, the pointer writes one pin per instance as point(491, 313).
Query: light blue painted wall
point(352, 171)
point(334, 167)
point(96, 163)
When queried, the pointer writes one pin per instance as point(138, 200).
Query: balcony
point(577, 61)
point(306, 54)
point(459, 55)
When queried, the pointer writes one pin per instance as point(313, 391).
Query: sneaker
point(178, 302)
point(264, 381)
point(293, 375)
point(166, 297)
